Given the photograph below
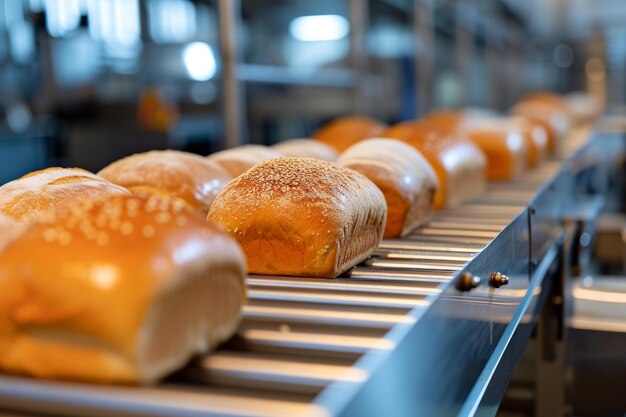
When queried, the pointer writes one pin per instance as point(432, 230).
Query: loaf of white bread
point(52, 188)
point(238, 160)
point(179, 175)
point(404, 176)
point(307, 148)
point(116, 290)
point(302, 217)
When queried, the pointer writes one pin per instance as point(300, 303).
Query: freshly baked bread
point(583, 107)
point(459, 164)
point(344, 132)
point(307, 148)
point(498, 137)
point(121, 290)
point(9, 229)
point(503, 145)
point(548, 110)
point(238, 160)
point(50, 189)
point(536, 137)
point(404, 176)
point(302, 217)
point(181, 175)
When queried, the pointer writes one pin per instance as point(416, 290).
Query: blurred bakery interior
point(84, 83)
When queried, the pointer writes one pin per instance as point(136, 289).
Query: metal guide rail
point(306, 346)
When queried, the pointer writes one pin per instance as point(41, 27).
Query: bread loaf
point(459, 164)
point(50, 189)
point(344, 132)
point(180, 175)
point(120, 290)
point(307, 148)
point(503, 145)
point(302, 217)
point(550, 111)
point(9, 229)
point(404, 176)
point(238, 160)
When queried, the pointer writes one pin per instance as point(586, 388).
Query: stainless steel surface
point(377, 336)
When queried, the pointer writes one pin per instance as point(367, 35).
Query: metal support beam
point(464, 48)
point(423, 23)
point(233, 98)
point(358, 54)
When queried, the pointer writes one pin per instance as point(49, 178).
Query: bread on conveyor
point(535, 135)
point(583, 107)
point(503, 144)
point(459, 164)
point(403, 175)
point(51, 188)
point(238, 160)
point(122, 289)
point(344, 132)
point(9, 229)
point(499, 137)
point(550, 111)
point(307, 148)
point(302, 217)
point(185, 176)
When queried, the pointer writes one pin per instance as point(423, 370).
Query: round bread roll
point(459, 164)
point(404, 176)
point(344, 132)
point(307, 148)
point(50, 189)
point(302, 217)
point(182, 175)
point(121, 290)
point(238, 160)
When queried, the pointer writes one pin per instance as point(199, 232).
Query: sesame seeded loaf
point(302, 217)
point(175, 174)
point(52, 188)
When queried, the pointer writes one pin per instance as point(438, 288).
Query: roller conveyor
point(317, 347)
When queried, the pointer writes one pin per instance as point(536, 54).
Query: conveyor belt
point(299, 335)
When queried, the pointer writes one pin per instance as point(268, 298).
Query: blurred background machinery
point(84, 82)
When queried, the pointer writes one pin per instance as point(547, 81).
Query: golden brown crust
point(50, 189)
point(307, 148)
point(238, 160)
point(404, 176)
point(191, 178)
point(91, 304)
point(302, 217)
point(9, 229)
point(503, 144)
point(459, 164)
point(550, 111)
point(344, 132)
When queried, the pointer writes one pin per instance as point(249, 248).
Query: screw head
point(468, 281)
point(496, 279)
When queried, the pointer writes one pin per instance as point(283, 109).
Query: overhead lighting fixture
point(330, 27)
point(199, 61)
